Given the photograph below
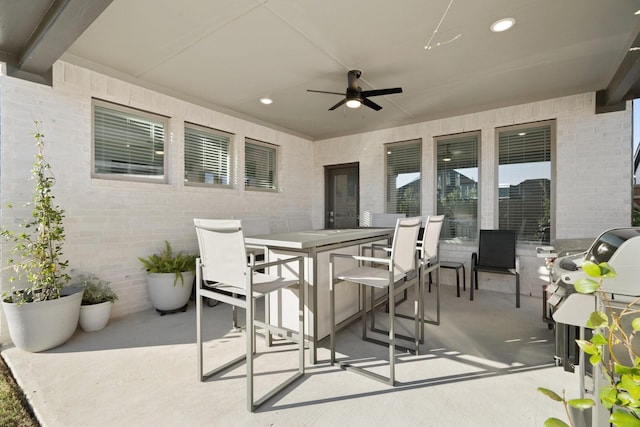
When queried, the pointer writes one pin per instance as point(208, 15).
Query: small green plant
point(38, 244)
point(166, 261)
point(622, 388)
point(96, 290)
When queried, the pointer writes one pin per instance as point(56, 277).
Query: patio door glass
point(342, 196)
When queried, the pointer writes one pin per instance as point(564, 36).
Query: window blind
point(260, 165)
point(457, 185)
point(206, 156)
point(524, 176)
point(126, 143)
point(403, 176)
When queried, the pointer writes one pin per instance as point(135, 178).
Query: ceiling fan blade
point(378, 92)
point(371, 104)
point(323, 91)
point(338, 104)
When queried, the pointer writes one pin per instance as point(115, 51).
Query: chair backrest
point(405, 237)
point(497, 248)
point(431, 237)
point(299, 222)
point(255, 225)
point(222, 250)
point(385, 219)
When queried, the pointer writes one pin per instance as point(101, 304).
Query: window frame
point(552, 124)
point(230, 150)
point(276, 153)
point(138, 114)
point(388, 146)
point(477, 134)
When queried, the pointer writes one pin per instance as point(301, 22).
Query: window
point(207, 159)
point(127, 143)
point(524, 181)
point(259, 165)
point(457, 185)
point(403, 162)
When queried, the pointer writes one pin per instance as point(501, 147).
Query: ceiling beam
point(624, 84)
point(63, 23)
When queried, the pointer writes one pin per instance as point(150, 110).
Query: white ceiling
point(230, 53)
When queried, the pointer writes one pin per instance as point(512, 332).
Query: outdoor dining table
point(315, 246)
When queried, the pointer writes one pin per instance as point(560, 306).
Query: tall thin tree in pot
point(38, 246)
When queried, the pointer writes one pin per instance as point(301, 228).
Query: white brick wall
point(593, 172)
point(110, 223)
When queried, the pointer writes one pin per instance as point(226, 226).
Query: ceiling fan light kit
point(355, 96)
point(354, 103)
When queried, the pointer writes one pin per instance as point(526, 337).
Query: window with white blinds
point(403, 166)
point(127, 143)
point(457, 185)
point(259, 165)
point(524, 177)
point(207, 156)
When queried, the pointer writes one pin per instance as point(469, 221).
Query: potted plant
point(97, 300)
point(44, 314)
point(612, 349)
point(169, 279)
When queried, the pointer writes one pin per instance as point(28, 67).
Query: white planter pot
point(166, 297)
point(43, 325)
point(95, 316)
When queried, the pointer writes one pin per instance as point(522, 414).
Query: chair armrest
point(375, 247)
point(360, 258)
point(263, 265)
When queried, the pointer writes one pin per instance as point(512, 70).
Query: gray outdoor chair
point(399, 274)
point(222, 274)
point(496, 254)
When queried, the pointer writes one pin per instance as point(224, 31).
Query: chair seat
point(371, 276)
point(262, 285)
point(497, 270)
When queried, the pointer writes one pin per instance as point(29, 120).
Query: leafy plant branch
point(39, 244)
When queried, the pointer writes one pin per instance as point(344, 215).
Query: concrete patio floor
point(480, 367)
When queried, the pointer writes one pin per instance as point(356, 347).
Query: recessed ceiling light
point(637, 12)
point(266, 101)
point(522, 134)
point(502, 25)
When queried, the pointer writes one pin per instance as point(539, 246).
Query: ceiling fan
point(355, 96)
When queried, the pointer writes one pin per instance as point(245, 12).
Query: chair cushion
point(370, 276)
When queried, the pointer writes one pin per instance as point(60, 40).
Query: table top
point(316, 238)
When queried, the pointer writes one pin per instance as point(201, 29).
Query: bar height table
point(315, 246)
